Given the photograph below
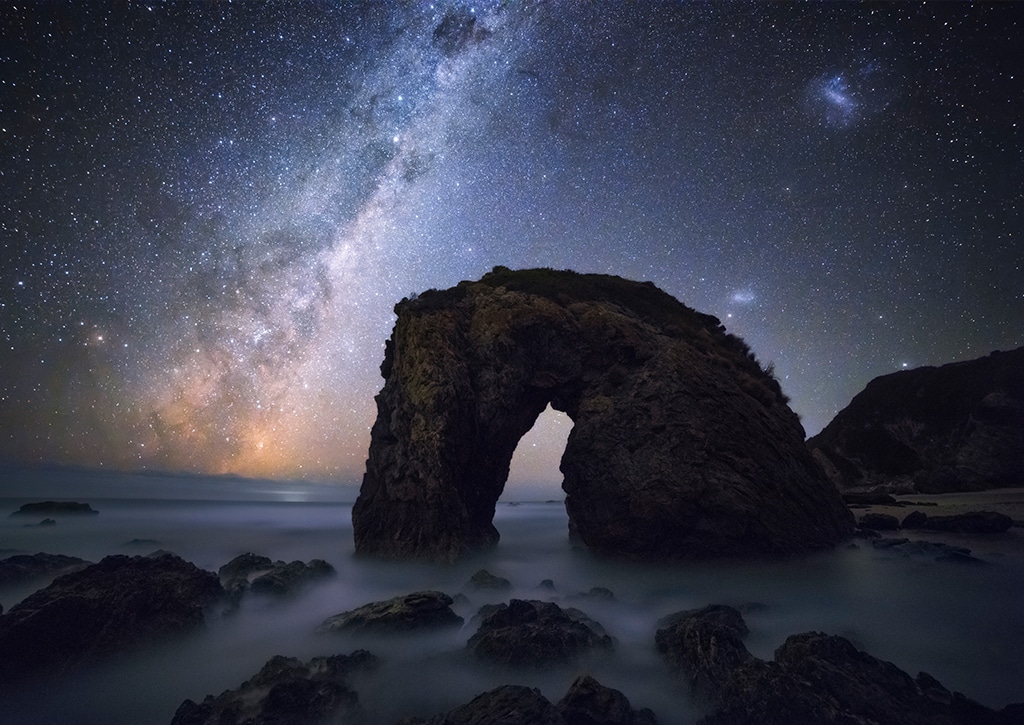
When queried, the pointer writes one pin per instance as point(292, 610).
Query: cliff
point(959, 427)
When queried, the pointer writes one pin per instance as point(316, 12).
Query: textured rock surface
point(284, 691)
point(959, 427)
point(108, 607)
point(252, 572)
point(816, 679)
point(419, 610)
point(682, 446)
point(535, 634)
point(22, 568)
point(587, 702)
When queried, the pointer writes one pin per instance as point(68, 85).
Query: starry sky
point(208, 210)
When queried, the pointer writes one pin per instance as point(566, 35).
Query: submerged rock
point(483, 579)
point(285, 691)
point(815, 679)
point(23, 568)
point(682, 445)
point(120, 603)
point(959, 427)
point(419, 610)
point(56, 508)
point(252, 572)
point(535, 634)
point(973, 522)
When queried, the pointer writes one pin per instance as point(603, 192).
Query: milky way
point(210, 210)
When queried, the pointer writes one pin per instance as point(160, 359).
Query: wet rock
point(706, 645)
point(600, 594)
point(914, 520)
point(959, 427)
point(682, 445)
point(286, 690)
point(879, 522)
point(23, 568)
point(118, 604)
point(588, 702)
point(815, 679)
point(56, 508)
point(483, 579)
point(46, 522)
point(505, 705)
point(419, 610)
point(974, 522)
point(536, 634)
point(252, 572)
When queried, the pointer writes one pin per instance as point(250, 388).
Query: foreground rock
point(682, 445)
point(535, 634)
point(974, 522)
point(24, 568)
point(587, 702)
point(56, 508)
point(815, 679)
point(286, 690)
point(958, 427)
point(118, 604)
point(416, 611)
point(251, 572)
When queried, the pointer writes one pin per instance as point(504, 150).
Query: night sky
point(209, 210)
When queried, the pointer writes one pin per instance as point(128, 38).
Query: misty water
point(963, 624)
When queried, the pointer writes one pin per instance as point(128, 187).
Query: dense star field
point(208, 210)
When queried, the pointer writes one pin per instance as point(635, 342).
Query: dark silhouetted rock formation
point(535, 634)
point(56, 508)
point(816, 679)
point(959, 427)
point(682, 445)
point(587, 702)
point(416, 611)
point(108, 607)
point(252, 572)
point(23, 568)
point(286, 690)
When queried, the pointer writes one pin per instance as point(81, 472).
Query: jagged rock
point(112, 606)
point(815, 679)
point(284, 691)
point(419, 610)
point(55, 508)
point(252, 572)
point(959, 427)
point(483, 579)
point(682, 445)
point(22, 568)
point(879, 522)
point(588, 702)
point(536, 634)
point(973, 522)
point(505, 705)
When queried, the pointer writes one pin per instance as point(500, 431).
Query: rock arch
point(682, 446)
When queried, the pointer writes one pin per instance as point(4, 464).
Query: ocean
point(962, 623)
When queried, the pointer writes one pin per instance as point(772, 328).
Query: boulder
point(683, 446)
point(587, 702)
point(286, 690)
point(879, 522)
point(252, 572)
point(536, 634)
point(56, 508)
point(815, 679)
point(973, 522)
point(483, 579)
point(118, 604)
point(914, 520)
point(24, 568)
point(959, 427)
point(416, 611)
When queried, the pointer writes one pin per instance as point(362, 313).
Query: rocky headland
point(958, 427)
point(683, 446)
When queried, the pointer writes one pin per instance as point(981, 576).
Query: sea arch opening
point(534, 473)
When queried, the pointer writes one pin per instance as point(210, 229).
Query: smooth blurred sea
point(963, 624)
